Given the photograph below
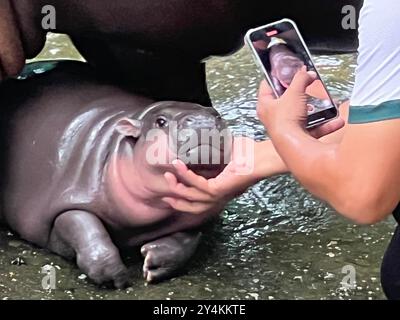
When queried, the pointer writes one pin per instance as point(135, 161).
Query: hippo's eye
point(161, 122)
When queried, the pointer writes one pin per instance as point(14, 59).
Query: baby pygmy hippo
point(83, 166)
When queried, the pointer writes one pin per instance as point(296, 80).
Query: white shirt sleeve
point(378, 71)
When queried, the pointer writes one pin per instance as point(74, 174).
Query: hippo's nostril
point(199, 122)
point(189, 120)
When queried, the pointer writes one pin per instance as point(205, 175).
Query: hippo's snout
point(196, 135)
point(204, 142)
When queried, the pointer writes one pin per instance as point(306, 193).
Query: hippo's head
point(166, 131)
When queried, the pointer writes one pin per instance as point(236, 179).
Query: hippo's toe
point(165, 257)
point(160, 262)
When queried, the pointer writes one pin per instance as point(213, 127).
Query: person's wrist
point(277, 165)
point(278, 129)
point(284, 138)
point(286, 127)
point(267, 162)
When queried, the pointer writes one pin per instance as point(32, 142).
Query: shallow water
point(274, 242)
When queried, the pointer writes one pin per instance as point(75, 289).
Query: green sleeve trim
point(385, 111)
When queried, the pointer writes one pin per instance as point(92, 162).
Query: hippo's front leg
point(165, 257)
point(81, 235)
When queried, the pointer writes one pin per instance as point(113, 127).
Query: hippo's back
point(57, 130)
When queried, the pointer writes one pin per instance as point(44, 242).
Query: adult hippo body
point(157, 47)
point(77, 180)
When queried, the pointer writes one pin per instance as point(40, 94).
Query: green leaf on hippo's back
point(32, 69)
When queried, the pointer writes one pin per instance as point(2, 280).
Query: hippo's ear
point(129, 127)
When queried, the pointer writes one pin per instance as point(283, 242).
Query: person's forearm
point(268, 162)
point(309, 160)
point(351, 185)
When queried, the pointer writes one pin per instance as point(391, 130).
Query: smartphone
point(281, 51)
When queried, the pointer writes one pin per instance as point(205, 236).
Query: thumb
point(302, 80)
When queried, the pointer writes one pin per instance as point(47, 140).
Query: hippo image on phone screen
point(76, 174)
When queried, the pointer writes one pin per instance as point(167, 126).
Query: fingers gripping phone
point(281, 51)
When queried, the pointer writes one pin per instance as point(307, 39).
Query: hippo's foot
point(103, 266)
point(165, 257)
point(81, 234)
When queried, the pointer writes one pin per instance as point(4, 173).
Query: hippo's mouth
point(205, 159)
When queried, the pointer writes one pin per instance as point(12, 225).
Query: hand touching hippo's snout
point(94, 185)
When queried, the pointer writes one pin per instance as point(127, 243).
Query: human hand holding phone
point(281, 52)
point(290, 111)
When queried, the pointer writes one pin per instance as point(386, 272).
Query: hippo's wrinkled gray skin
point(157, 47)
point(76, 177)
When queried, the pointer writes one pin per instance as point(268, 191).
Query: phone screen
point(282, 53)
